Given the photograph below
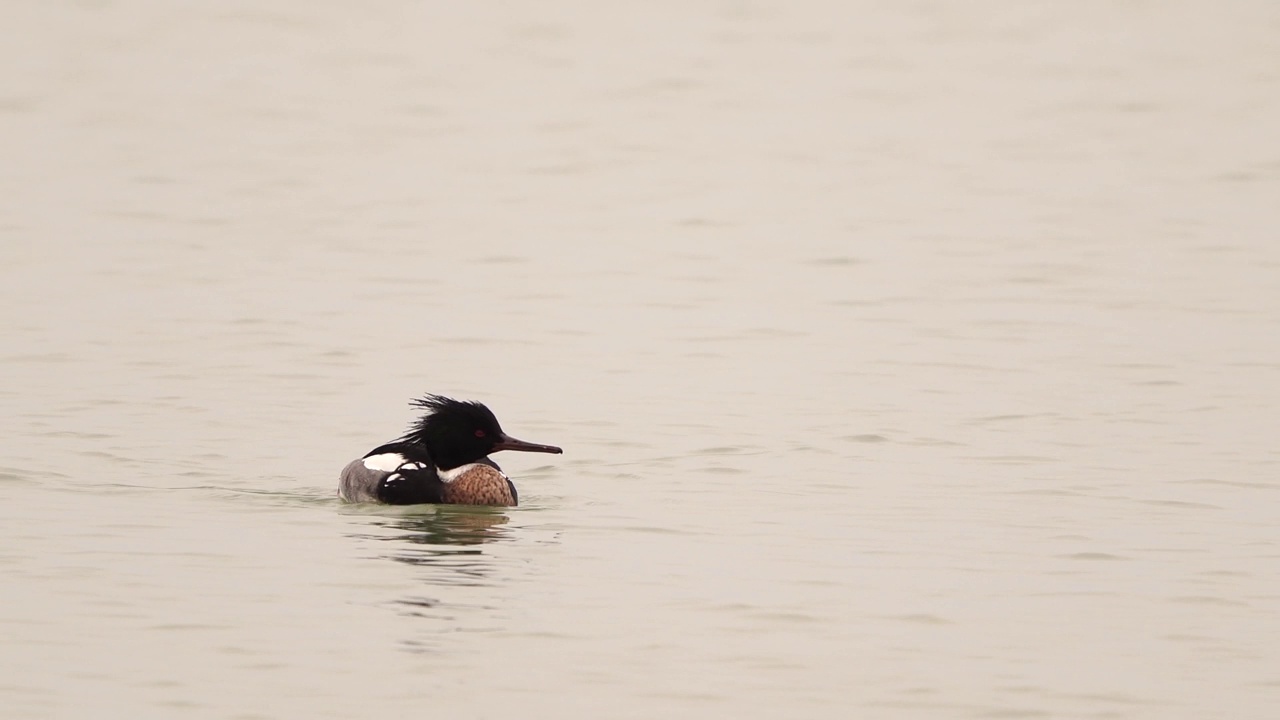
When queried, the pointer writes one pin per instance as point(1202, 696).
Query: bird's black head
point(457, 432)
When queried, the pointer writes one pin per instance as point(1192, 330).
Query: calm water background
point(911, 360)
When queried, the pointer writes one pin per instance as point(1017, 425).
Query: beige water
point(911, 360)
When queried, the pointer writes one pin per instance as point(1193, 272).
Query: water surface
point(910, 360)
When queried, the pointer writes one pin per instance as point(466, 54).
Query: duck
point(442, 459)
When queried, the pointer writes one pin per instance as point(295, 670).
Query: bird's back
point(396, 473)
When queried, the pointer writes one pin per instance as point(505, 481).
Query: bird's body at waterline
point(443, 458)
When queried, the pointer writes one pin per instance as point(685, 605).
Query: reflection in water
point(451, 525)
point(443, 543)
point(443, 538)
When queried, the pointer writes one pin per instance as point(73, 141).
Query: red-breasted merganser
point(443, 458)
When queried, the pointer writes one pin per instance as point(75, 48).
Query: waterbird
point(443, 458)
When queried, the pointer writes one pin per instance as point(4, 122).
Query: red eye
point(479, 433)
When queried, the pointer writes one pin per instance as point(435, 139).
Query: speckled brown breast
point(481, 485)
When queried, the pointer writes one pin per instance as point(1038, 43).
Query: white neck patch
point(454, 474)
